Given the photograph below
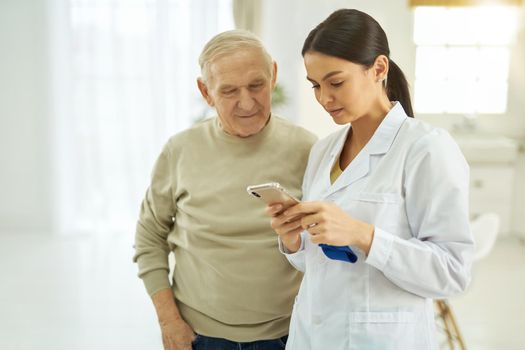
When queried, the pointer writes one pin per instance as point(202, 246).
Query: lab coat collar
point(386, 132)
point(380, 143)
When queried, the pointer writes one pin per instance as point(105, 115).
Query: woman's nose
point(323, 97)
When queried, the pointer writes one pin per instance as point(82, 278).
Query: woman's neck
point(362, 131)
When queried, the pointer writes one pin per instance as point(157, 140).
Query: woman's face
point(346, 90)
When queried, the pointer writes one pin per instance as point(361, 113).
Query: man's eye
point(229, 92)
point(256, 86)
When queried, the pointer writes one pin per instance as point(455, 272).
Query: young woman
point(388, 188)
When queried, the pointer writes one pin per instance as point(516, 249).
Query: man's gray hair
point(227, 43)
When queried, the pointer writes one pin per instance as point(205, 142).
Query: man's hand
point(176, 335)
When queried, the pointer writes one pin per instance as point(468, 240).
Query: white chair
point(485, 229)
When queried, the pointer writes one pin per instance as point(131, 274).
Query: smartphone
point(272, 193)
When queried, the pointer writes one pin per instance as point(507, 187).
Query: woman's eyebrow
point(328, 75)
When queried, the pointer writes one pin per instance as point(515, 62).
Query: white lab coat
point(411, 182)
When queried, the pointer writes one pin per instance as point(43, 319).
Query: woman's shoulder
point(424, 133)
point(423, 139)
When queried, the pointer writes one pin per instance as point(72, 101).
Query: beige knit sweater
point(230, 280)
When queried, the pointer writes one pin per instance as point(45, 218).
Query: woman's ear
point(203, 88)
point(380, 68)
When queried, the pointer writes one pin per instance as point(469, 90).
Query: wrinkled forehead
point(244, 64)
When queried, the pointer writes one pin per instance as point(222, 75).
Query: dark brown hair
point(357, 37)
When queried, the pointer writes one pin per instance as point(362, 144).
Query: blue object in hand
point(339, 253)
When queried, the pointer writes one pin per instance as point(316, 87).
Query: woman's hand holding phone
point(278, 199)
point(288, 229)
point(328, 224)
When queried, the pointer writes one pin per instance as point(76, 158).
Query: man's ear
point(380, 68)
point(274, 74)
point(203, 88)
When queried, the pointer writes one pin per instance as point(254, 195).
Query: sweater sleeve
point(156, 220)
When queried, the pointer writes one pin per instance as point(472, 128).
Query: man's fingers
point(167, 344)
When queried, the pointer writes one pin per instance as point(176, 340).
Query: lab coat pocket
point(382, 330)
point(375, 197)
point(384, 210)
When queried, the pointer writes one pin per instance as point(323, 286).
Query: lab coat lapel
point(356, 170)
point(379, 144)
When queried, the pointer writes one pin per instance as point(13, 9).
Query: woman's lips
point(335, 112)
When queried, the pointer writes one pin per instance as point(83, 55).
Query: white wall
point(25, 192)
point(287, 24)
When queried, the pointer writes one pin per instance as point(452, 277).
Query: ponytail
point(397, 88)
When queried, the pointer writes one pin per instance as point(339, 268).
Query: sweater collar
point(223, 135)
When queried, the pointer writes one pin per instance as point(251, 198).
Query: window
point(462, 58)
point(125, 81)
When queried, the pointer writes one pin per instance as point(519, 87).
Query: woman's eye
point(315, 86)
point(337, 83)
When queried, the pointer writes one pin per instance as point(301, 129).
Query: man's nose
point(246, 100)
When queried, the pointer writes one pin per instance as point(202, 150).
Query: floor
point(491, 314)
point(82, 293)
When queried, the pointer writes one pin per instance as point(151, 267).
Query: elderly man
point(231, 287)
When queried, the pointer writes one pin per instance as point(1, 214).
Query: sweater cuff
point(381, 249)
point(156, 280)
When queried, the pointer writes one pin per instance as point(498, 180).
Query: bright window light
point(124, 81)
point(462, 58)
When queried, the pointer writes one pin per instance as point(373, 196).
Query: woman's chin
point(340, 120)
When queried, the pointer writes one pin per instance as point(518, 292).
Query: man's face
point(240, 86)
